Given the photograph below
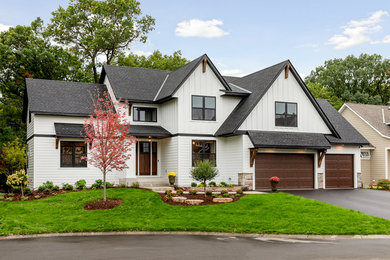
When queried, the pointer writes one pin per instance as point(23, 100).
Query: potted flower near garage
point(274, 183)
point(171, 177)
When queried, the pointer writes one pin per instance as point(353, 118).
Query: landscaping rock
point(193, 202)
point(179, 199)
point(222, 200)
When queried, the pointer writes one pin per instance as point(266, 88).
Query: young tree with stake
point(106, 133)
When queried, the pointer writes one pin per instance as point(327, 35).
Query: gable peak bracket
point(286, 70)
point(204, 65)
point(321, 155)
point(253, 152)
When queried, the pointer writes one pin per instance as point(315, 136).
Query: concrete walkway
point(372, 202)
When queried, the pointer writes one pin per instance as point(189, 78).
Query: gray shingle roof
point(77, 130)
point(61, 97)
point(374, 115)
point(348, 134)
point(267, 139)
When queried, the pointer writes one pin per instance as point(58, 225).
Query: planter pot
point(274, 186)
point(171, 179)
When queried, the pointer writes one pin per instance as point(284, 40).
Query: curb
point(183, 233)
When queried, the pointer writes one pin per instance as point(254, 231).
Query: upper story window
point(286, 114)
point(203, 108)
point(145, 114)
point(365, 155)
point(72, 153)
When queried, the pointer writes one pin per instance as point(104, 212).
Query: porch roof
point(77, 131)
point(288, 140)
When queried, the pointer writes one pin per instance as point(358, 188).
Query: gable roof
point(53, 97)
point(348, 134)
point(376, 115)
point(150, 85)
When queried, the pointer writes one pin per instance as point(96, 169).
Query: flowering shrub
point(171, 174)
point(18, 180)
point(274, 179)
point(168, 195)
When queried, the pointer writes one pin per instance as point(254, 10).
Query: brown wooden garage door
point(296, 171)
point(339, 171)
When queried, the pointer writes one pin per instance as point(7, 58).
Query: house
point(373, 122)
point(254, 127)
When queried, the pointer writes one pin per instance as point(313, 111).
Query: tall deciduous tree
point(93, 28)
point(363, 79)
point(107, 135)
point(154, 61)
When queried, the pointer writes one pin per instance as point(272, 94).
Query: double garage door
point(296, 171)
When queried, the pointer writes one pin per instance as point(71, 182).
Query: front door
point(146, 158)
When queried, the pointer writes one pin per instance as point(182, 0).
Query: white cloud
point(199, 28)
point(357, 32)
point(308, 46)
point(233, 72)
point(385, 40)
point(142, 53)
point(4, 27)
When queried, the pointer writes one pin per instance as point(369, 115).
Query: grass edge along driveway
point(143, 210)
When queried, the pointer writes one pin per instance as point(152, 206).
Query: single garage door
point(339, 171)
point(296, 171)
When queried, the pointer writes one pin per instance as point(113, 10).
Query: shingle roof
point(348, 134)
point(77, 130)
point(230, 79)
point(61, 97)
point(267, 139)
point(135, 84)
point(374, 115)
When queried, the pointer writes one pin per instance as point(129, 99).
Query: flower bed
point(230, 189)
point(207, 200)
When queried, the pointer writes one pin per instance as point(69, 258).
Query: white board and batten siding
point(262, 116)
point(30, 148)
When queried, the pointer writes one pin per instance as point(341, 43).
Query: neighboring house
point(373, 122)
point(264, 124)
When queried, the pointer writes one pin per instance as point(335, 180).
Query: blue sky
point(245, 36)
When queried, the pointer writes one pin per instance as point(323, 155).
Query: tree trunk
point(22, 189)
point(204, 184)
point(95, 75)
point(104, 185)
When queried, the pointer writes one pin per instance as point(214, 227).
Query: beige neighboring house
point(373, 122)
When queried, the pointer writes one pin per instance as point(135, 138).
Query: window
point(286, 114)
point(145, 114)
point(71, 154)
point(203, 108)
point(203, 150)
point(365, 155)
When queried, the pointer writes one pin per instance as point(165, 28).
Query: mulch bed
point(208, 200)
point(102, 204)
point(33, 194)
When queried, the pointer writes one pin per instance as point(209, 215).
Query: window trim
point(203, 143)
point(203, 108)
point(365, 157)
point(73, 155)
point(138, 120)
point(285, 118)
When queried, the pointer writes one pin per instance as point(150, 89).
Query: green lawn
point(143, 210)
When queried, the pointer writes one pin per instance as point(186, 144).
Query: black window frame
point(285, 114)
point(203, 108)
point(137, 110)
point(74, 165)
point(203, 153)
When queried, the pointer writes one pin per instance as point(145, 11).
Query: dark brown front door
point(147, 153)
point(296, 171)
point(339, 171)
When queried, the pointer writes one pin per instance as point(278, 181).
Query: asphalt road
point(190, 247)
point(372, 202)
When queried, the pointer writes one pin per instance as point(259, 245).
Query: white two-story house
point(254, 127)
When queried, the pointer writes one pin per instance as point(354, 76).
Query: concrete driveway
point(372, 202)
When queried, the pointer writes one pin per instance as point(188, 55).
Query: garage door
point(296, 171)
point(339, 171)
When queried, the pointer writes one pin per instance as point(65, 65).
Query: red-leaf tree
point(106, 133)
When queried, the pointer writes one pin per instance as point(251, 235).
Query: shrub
point(204, 171)
point(47, 191)
point(1, 197)
point(122, 186)
point(9, 199)
point(27, 190)
point(224, 192)
point(2, 194)
point(24, 198)
point(41, 188)
point(179, 193)
point(232, 196)
point(80, 184)
point(201, 185)
point(37, 196)
point(93, 187)
point(98, 183)
point(222, 184)
point(225, 195)
point(109, 185)
point(383, 182)
point(66, 186)
point(193, 184)
point(10, 194)
point(231, 185)
point(48, 184)
point(168, 195)
point(18, 181)
point(239, 192)
point(209, 192)
point(215, 195)
point(212, 184)
point(245, 188)
point(135, 185)
point(193, 192)
point(55, 188)
point(74, 189)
